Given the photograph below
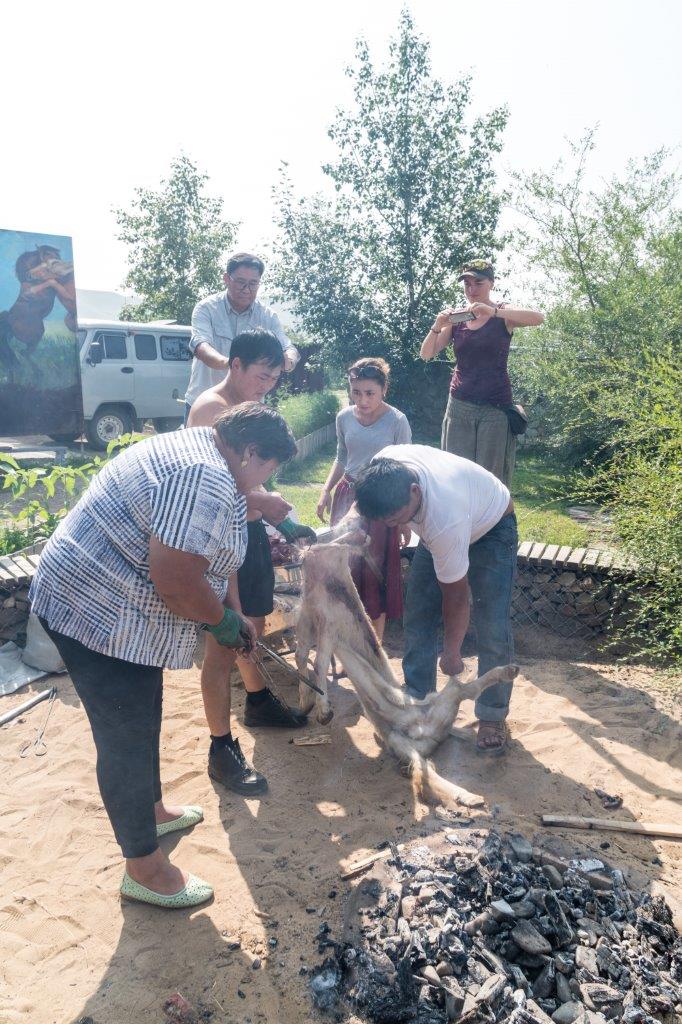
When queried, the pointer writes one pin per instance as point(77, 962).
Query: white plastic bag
point(40, 652)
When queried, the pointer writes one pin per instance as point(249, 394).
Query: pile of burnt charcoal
point(496, 930)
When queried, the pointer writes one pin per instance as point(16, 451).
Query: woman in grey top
point(363, 429)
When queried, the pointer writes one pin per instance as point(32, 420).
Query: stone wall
point(573, 591)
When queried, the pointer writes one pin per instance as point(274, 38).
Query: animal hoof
point(325, 717)
point(470, 800)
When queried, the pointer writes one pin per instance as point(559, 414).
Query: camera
point(461, 316)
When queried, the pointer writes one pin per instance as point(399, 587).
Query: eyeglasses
point(251, 286)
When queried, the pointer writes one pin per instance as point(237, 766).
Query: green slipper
point(196, 891)
point(190, 816)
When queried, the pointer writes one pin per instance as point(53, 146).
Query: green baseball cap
point(477, 268)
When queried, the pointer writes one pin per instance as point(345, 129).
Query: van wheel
point(106, 425)
point(164, 424)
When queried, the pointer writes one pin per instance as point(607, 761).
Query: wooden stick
point(314, 740)
point(645, 828)
point(366, 862)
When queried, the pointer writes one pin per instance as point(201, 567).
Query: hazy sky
point(98, 98)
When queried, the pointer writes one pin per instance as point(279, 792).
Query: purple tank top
point(481, 371)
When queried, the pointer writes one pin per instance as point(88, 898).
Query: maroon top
point(481, 371)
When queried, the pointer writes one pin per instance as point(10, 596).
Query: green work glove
point(296, 531)
point(228, 632)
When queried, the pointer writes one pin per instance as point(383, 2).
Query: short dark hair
point(253, 346)
point(245, 259)
point(256, 424)
point(383, 487)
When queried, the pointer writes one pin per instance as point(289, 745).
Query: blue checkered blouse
point(93, 582)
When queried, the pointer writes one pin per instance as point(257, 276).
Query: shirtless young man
point(256, 361)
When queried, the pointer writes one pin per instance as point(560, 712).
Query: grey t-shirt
point(357, 445)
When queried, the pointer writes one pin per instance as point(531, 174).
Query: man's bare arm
point(455, 623)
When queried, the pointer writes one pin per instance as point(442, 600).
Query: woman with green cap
point(481, 423)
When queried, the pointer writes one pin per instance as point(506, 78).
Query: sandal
point(492, 738)
point(191, 895)
point(190, 816)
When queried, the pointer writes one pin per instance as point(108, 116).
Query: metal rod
point(27, 705)
point(285, 664)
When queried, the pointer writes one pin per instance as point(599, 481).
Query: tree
point(610, 263)
point(413, 197)
point(178, 242)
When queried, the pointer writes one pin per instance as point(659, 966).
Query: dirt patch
point(71, 949)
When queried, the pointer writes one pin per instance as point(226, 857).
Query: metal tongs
point(263, 651)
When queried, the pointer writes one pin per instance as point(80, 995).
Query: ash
point(497, 930)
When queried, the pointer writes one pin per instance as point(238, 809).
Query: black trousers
point(123, 704)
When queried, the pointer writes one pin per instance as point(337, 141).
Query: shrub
point(308, 412)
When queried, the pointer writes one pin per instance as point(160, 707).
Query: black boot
point(268, 709)
point(228, 766)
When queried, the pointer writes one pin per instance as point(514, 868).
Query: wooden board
point(523, 551)
point(536, 552)
point(591, 558)
point(549, 555)
point(575, 558)
point(645, 828)
point(564, 552)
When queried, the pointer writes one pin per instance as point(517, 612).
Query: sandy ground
point(70, 949)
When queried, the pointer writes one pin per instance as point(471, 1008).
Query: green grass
point(541, 495)
point(301, 482)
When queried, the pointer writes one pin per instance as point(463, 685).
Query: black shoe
point(229, 767)
point(272, 711)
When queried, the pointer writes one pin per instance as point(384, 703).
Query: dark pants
point(123, 703)
point(492, 562)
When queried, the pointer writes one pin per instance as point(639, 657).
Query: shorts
point(256, 576)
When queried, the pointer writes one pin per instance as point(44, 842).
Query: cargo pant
point(481, 434)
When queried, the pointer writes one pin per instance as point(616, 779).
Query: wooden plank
point(591, 558)
point(7, 577)
point(11, 569)
point(523, 551)
point(548, 556)
point(361, 865)
point(321, 739)
point(536, 552)
point(605, 559)
point(642, 828)
point(34, 560)
point(24, 566)
point(575, 558)
point(564, 552)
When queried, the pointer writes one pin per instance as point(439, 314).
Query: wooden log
point(644, 828)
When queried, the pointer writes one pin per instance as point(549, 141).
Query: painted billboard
point(40, 390)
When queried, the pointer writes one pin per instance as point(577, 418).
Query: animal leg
point(425, 779)
point(305, 638)
point(323, 709)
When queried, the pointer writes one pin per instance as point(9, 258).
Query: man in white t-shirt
point(465, 520)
